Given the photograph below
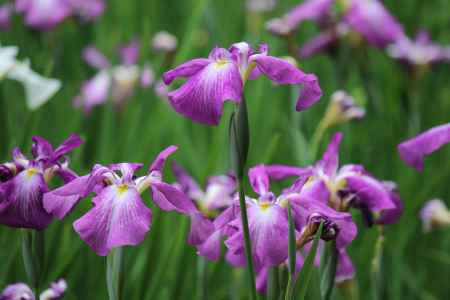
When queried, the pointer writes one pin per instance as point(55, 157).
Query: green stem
point(201, 278)
point(291, 256)
point(317, 139)
point(272, 284)
point(33, 249)
point(114, 266)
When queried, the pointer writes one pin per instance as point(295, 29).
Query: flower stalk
point(114, 267)
point(239, 144)
point(33, 253)
point(291, 256)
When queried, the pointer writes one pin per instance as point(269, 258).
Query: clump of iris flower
point(218, 195)
point(435, 214)
point(413, 151)
point(368, 19)
point(419, 52)
point(23, 182)
point(21, 291)
point(222, 76)
point(118, 82)
point(119, 216)
point(47, 14)
point(268, 223)
point(38, 89)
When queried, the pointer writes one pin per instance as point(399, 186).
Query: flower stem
point(114, 266)
point(292, 256)
point(33, 252)
point(201, 278)
point(239, 144)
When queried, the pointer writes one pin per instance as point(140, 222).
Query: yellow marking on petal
point(221, 63)
point(30, 172)
point(122, 188)
point(264, 206)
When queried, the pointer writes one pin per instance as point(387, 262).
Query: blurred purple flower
point(119, 217)
point(20, 291)
point(164, 42)
point(117, 81)
point(24, 182)
point(43, 14)
point(220, 77)
point(324, 41)
point(374, 22)
point(261, 5)
point(217, 196)
point(87, 10)
point(435, 214)
point(5, 16)
point(421, 51)
point(413, 151)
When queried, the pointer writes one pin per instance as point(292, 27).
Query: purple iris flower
point(316, 10)
point(117, 82)
point(222, 76)
point(43, 14)
point(119, 216)
point(413, 151)
point(420, 51)
point(218, 195)
point(21, 291)
point(87, 10)
point(374, 22)
point(23, 182)
point(434, 214)
point(5, 16)
point(268, 222)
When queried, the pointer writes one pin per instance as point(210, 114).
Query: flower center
point(30, 172)
point(264, 205)
point(122, 188)
point(221, 63)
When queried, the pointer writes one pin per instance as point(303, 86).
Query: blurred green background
point(416, 266)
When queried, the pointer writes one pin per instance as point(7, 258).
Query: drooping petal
point(369, 193)
point(41, 148)
point(390, 216)
point(170, 198)
point(59, 202)
point(219, 191)
point(345, 269)
point(201, 229)
point(283, 72)
point(279, 172)
point(24, 206)
point(210, 248)
point(17, 291)
point(413, 151)
point(316, 189)
point(95, 58)
point(202, 96)
point(119, 218)
point(72, 142)
point(45, 14)
point(187, 69)
point(330, 159)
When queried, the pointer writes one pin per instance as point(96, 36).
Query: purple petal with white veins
point(170, 198)
point(61, 201)
point(219, 192)
point(93, 57)
point(283, 72)
point(259, 179)
point(413, 151)
point(188, 69)
point(24, 206)
point(119, 218)
point(202, 96)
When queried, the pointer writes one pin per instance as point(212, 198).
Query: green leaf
point(328, 264)
point(33, 253)
point(239, 138)
point(306, 271)
point(272, 284)
point(291, 256)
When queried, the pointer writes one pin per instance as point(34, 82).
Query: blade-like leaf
point(328, 264)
